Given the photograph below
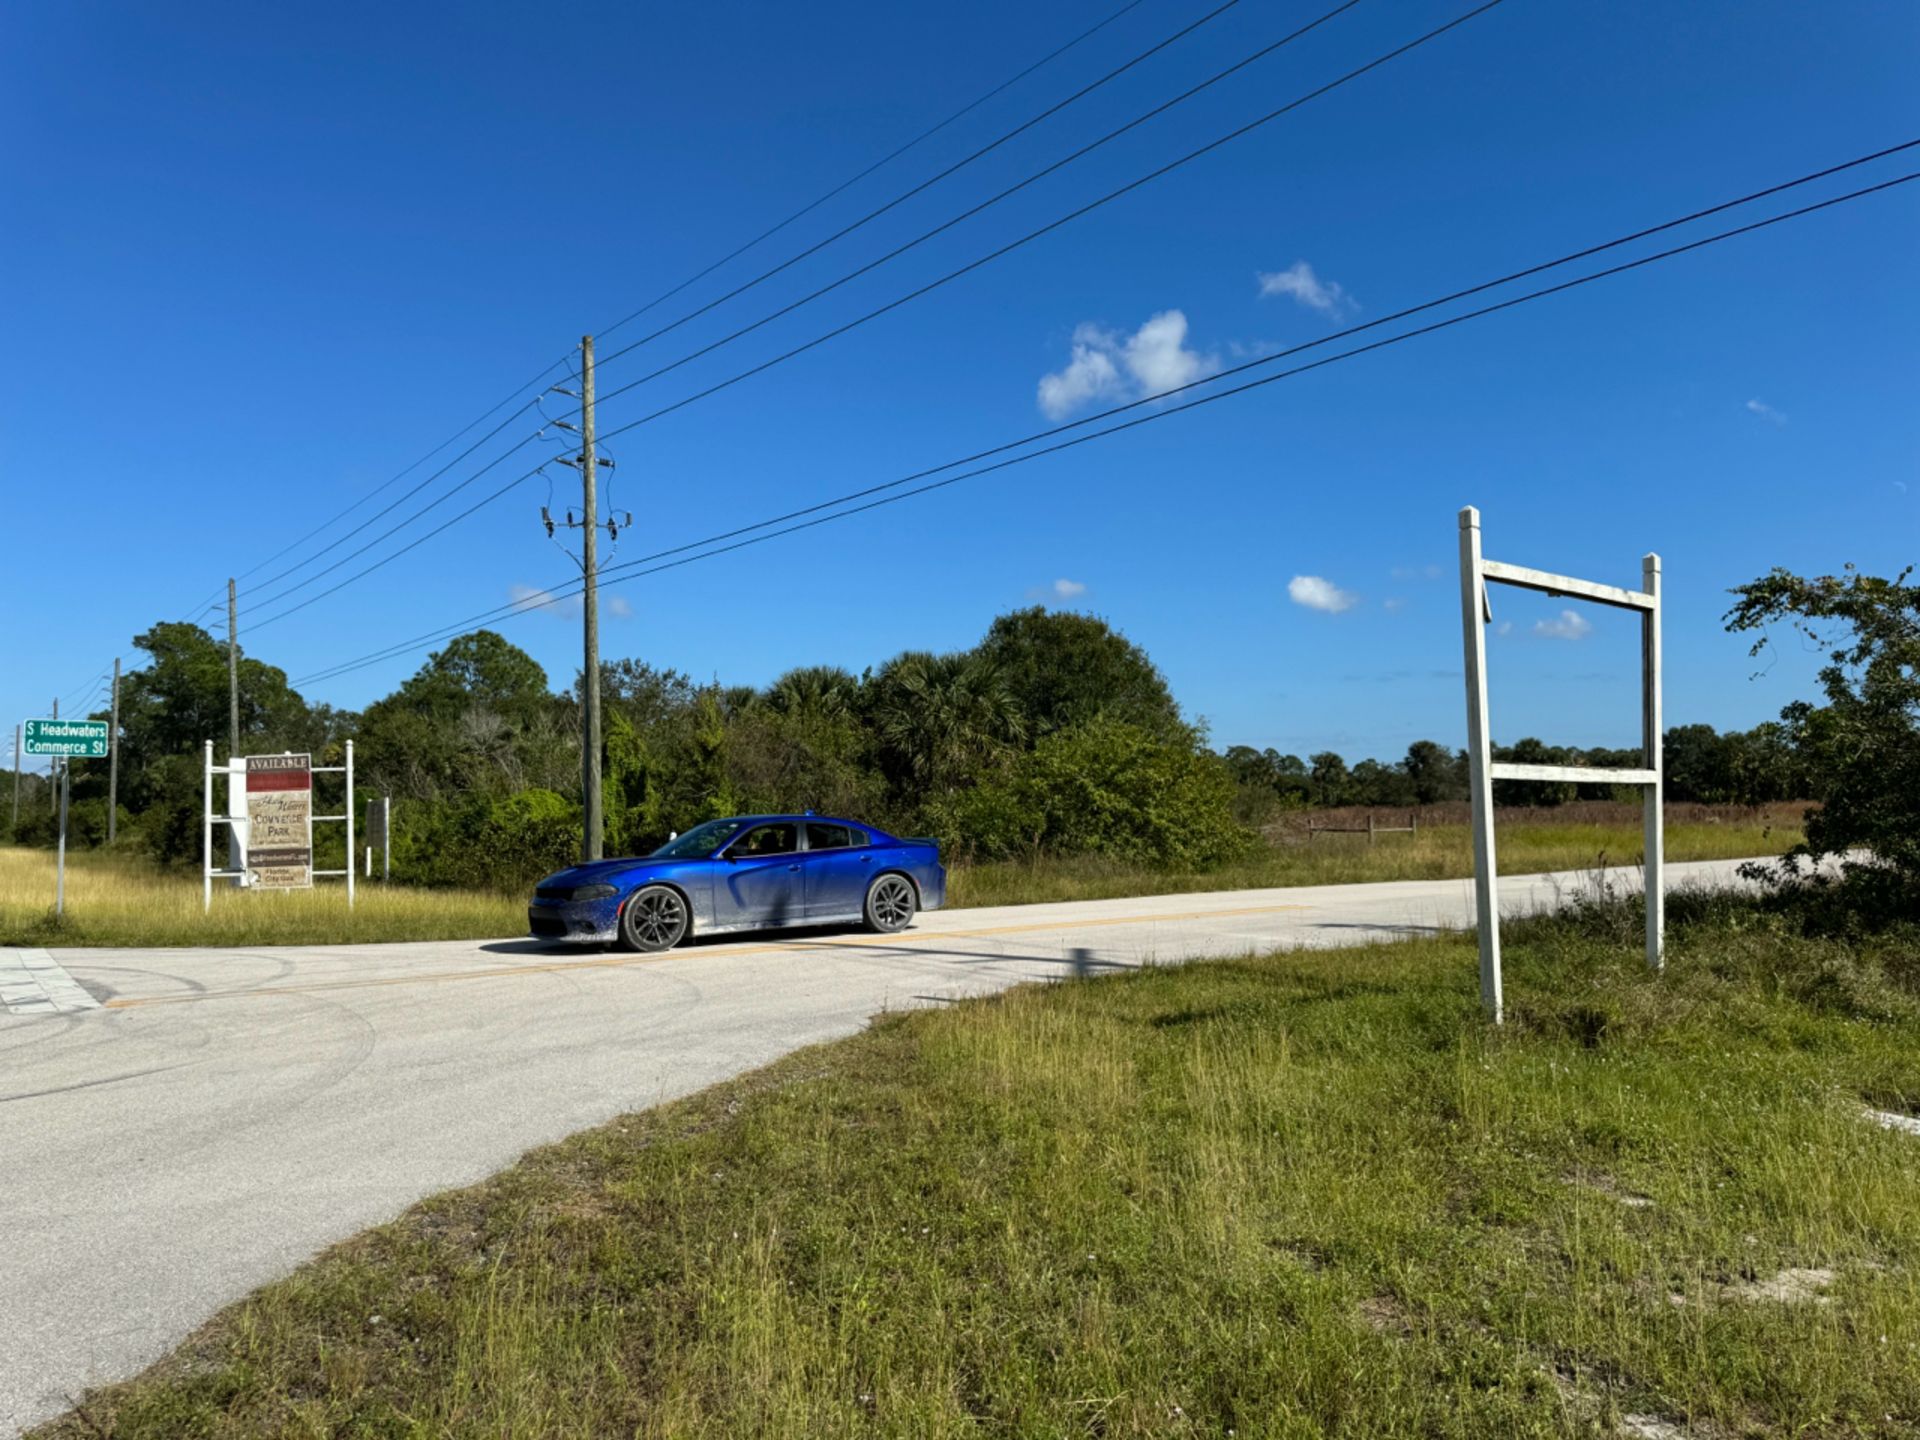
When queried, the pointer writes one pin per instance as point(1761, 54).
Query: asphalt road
point(219, 1116)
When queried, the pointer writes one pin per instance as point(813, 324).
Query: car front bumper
point(575, 922)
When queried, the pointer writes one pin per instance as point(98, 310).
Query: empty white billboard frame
point(1476, 612)
point(234, 770)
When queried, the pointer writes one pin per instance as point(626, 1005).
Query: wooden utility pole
point(113, 757)
point(233, 674)
point(591, 825)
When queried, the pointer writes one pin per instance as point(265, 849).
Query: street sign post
point(66, 741)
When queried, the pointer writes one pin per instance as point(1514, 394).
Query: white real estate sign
point(280, 821)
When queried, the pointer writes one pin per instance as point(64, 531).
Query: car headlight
point(594, 892)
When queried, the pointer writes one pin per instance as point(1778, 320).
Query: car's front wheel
point(654, 919)
point(890, 904)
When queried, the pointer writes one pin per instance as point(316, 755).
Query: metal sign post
point(65, 741)
point(380, 836)
point(60, 866)
point(1476, 611)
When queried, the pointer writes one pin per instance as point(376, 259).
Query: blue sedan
point(753, 872)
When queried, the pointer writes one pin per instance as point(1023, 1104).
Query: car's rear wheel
point(890, 904)
point(654, 919)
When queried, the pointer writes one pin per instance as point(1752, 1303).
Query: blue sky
point(256, 260)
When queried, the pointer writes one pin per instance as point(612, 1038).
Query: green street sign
point(75, 739)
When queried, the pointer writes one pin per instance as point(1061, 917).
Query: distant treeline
point(1700, 765)
point(1054, 734)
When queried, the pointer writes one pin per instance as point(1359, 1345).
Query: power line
point(884, 160)
point(411, 544)
point(392, 530)
point(711, 547)
point(956, 167)
point(692, 279)
point(84, 685)
point(401, 500)
point(1024, 240)
point(383, 485)
point(1256, 55)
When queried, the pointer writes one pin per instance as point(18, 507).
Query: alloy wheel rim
point(891, 903)
point(657, 917)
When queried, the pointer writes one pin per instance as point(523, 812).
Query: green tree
point(1329, 779)
point(1863, 745)
point(172, 705)
point(1532, 751)
point(1104, 788)
point(822, 691)
point(942, 722)
point(1375, 784)
point(1064, 668)
point(478, 718)
point(1434, 773)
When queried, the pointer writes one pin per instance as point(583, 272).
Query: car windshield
point(699, 842)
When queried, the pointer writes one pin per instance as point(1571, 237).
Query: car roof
point(796, 819)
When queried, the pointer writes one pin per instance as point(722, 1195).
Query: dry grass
point(120, 900)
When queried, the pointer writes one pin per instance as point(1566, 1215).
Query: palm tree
point(944, 719)
point(817, 691)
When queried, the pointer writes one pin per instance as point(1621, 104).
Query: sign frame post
point(1476, 612)
point(236, 772)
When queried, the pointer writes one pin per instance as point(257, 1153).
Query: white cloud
point(1298, 282)
point(1317, 593)
point(1062, 589)
point(1416, 572)
point(1568, 625)
point(1090, 375)
point(1158, 357)
point(1505, 627)
point(1393, 602)
point(531, 597)
point(1766, 411)
point(1105, 366)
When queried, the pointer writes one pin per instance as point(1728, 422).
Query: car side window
point(830, 837)
point(768, 840)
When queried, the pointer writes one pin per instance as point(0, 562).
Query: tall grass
point(123, 900)
point(1306, 1194)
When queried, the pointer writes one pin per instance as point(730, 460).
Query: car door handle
point(866, 859)
point(793, 867)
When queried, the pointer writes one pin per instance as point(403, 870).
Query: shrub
point(1104, 788)
point(509, 843)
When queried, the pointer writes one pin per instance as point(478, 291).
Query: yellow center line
point(622, 961)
